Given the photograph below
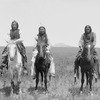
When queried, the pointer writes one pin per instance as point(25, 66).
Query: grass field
point(61, 87)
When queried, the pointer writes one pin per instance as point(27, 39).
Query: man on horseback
point(14, 35)
point(88, 37)
point(43, 37)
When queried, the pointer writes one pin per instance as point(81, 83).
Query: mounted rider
point(42, 36)
point(14, 35)
point(88, 37)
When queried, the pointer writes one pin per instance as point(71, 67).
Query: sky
point(64, 20)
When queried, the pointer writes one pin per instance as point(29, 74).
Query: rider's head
point(14, 25)
point(88, 29)
point(42, 30)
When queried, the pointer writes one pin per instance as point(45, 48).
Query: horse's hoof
point(36, 91)
point(17, 92)
point(11, 94)
point(81, 92)
point(20, 92)
point(35, 88)
point(91, 94)
point(46, 91)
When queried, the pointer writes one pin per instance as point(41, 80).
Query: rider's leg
point(4, 62)
point(24, 61)
point(34, 54)
point(33, 67)
point(25, 57)
point(79, 54)
point(76, 63)
point(76, 67)
point(22, 51)
point(96, 66)
point(52, 65)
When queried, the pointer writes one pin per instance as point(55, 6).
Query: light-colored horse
point(14, 64)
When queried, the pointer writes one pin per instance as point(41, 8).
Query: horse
point(86, 64)
point(42, 64)
point(14, 65)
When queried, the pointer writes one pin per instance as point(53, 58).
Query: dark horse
point(87, 66)
point(42, 63)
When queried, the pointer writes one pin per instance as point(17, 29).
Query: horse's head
point(12, 50)
point(41, 47)
point(88, 51)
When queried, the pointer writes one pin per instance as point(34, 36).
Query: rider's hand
point(80, 47)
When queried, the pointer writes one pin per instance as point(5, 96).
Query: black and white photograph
point(49, 50)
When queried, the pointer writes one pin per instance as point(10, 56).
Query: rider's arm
point(34, 53)
point(35, 41)
point(48, 44)
point(7, 38)
point(94, 42)
point(81, 41)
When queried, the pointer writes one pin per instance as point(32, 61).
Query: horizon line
point(56, 46)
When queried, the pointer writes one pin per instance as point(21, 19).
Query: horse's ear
point(36, 39)
point(6, 41)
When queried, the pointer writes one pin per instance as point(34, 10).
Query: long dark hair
point(86, 27)
point(12, 25)
point(43, 33)
point(40, 29)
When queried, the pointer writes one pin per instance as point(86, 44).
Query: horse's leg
point(45, 80)
point(76, 70)
point(12, 87)
point(90, 80)
point(12, 81)
point(49, 77)
point(49, 72)
point(82, 81)
point(41, 79)
point(87, 80)
point(96, 71)
point(19, 80)
point(37, 79)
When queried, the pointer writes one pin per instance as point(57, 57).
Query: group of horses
point(15, 66)
point(42, 64)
